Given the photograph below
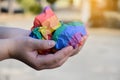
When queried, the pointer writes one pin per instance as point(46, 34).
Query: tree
point(52, 3)
point(97, 12)
point(0, 6)
point(71, 2)
point(32, 6)
point(10, 10)
point(112, 5)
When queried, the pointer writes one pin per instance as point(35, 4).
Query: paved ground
point(98, 60)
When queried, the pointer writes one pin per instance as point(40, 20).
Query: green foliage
point(19, 1)
point(30, 6)
point(51, 1)
point(35, 9)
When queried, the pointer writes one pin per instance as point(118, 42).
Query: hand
point(77, 49)
point(25, 50)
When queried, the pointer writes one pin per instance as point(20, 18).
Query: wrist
point(6, 46)
point(6, 33)
point(16, 32)
point(12, 48)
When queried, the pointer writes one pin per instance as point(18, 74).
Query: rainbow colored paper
point(47, 22)
point(69, 35)
point(48, 27)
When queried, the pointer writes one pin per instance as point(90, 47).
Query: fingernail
point(51, 43)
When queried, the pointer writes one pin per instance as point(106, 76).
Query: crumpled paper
point(48, 23)
point(48, 27)
point(69, 35)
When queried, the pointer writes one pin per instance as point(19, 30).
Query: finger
point(51, 59)
point(82, 41)
point(64, 52)
point(77, 50)
point(85, 37)
point(60, 63)
point(42, 44)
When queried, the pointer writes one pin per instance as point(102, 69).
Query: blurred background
point(100, 57)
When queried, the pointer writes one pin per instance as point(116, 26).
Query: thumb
point(42, 44)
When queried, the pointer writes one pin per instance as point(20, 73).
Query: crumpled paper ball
point(69, 35)
point(48, 27)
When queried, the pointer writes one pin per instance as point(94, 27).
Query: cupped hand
point(77, 49)
point(25, 50)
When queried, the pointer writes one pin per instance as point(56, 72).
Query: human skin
point(16, 44)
